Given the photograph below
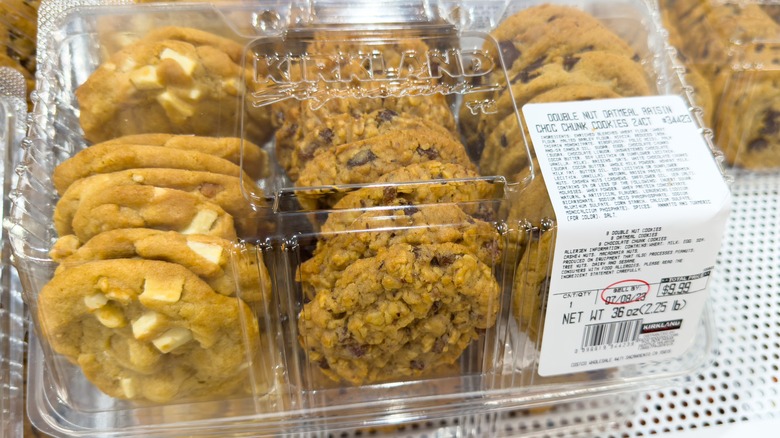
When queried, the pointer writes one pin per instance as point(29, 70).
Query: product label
point(641, 208)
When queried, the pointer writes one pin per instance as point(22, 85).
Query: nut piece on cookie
point(174, 338)
point(175, 80)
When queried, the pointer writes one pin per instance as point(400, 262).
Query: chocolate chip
point(439, 344)
point(410, 210)
point(357, 350)
point(569, 62)
point(435, 307)
point(389, 194)
point(760, 48)
point(327, 135)
point(386, 116)
point(758, 144)
point(504, 141)
point(443, 260)
point(417, 365)
point(553, 18)
point(509, 52)
point(323, 364)
point(771, 123)
point(431, 153)
point(529, 73)
point(339, 315)
point(364, 156)
point(636, 57)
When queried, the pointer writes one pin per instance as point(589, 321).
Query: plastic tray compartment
point(13, 112)
point(318, 227)
point(732, 49)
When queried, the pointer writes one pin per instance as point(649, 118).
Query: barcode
point(611, 333)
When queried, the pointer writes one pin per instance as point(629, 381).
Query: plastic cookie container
point(13, 111)
point(271, 218)
point(732, 50)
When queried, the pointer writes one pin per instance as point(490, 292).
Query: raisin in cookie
point(346, 120)
point(414, 225)
point(400, 314)
point(227, 268)
point(150, 207)
point(429, 182)
point(367, 160)
point(147, 330)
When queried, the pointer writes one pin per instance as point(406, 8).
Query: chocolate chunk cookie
point(341, 121)
point(365, 161)
point(434, 182)
point(400, 314)
point(531, 285)
point(414, 225)
point(147, 330)
point(227, 268)
point(150, 207)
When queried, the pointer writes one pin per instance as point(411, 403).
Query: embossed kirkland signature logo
point(369, 74)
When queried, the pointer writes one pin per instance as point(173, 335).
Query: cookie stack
point(551, 53)
point(401, 280)
point(735, 47)
point(152, 296)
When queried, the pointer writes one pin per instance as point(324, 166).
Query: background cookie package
point(730, 52)
point(310, 360)
point(13, 112)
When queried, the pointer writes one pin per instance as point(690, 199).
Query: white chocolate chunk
point(172, 339)
point(127, 65)
point(158, 192)
point(110, 317)
point(145, 78)
point(176, 108)
point(186, 64)
point(167, 290)
point(128, 387)
point(232, 86)
point(194, 94)
point(210, 252)
point(138, 178)
point(202, 222)
point(95, 301)
point(147, 325)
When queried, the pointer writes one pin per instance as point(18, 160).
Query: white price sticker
point(641, 208)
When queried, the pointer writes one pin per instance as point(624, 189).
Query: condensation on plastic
point(13, 110)
point(68, 404)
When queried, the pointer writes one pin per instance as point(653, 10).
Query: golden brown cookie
point(375, 230)
point(189, 83)
point(147, 330)
point(103, 158)
point(227, 268)
point(222, 190)
point(150, 207)
point(366, 161)
point(399, 315)
point(251, 157)
point(340, 121)
point(434, 182)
